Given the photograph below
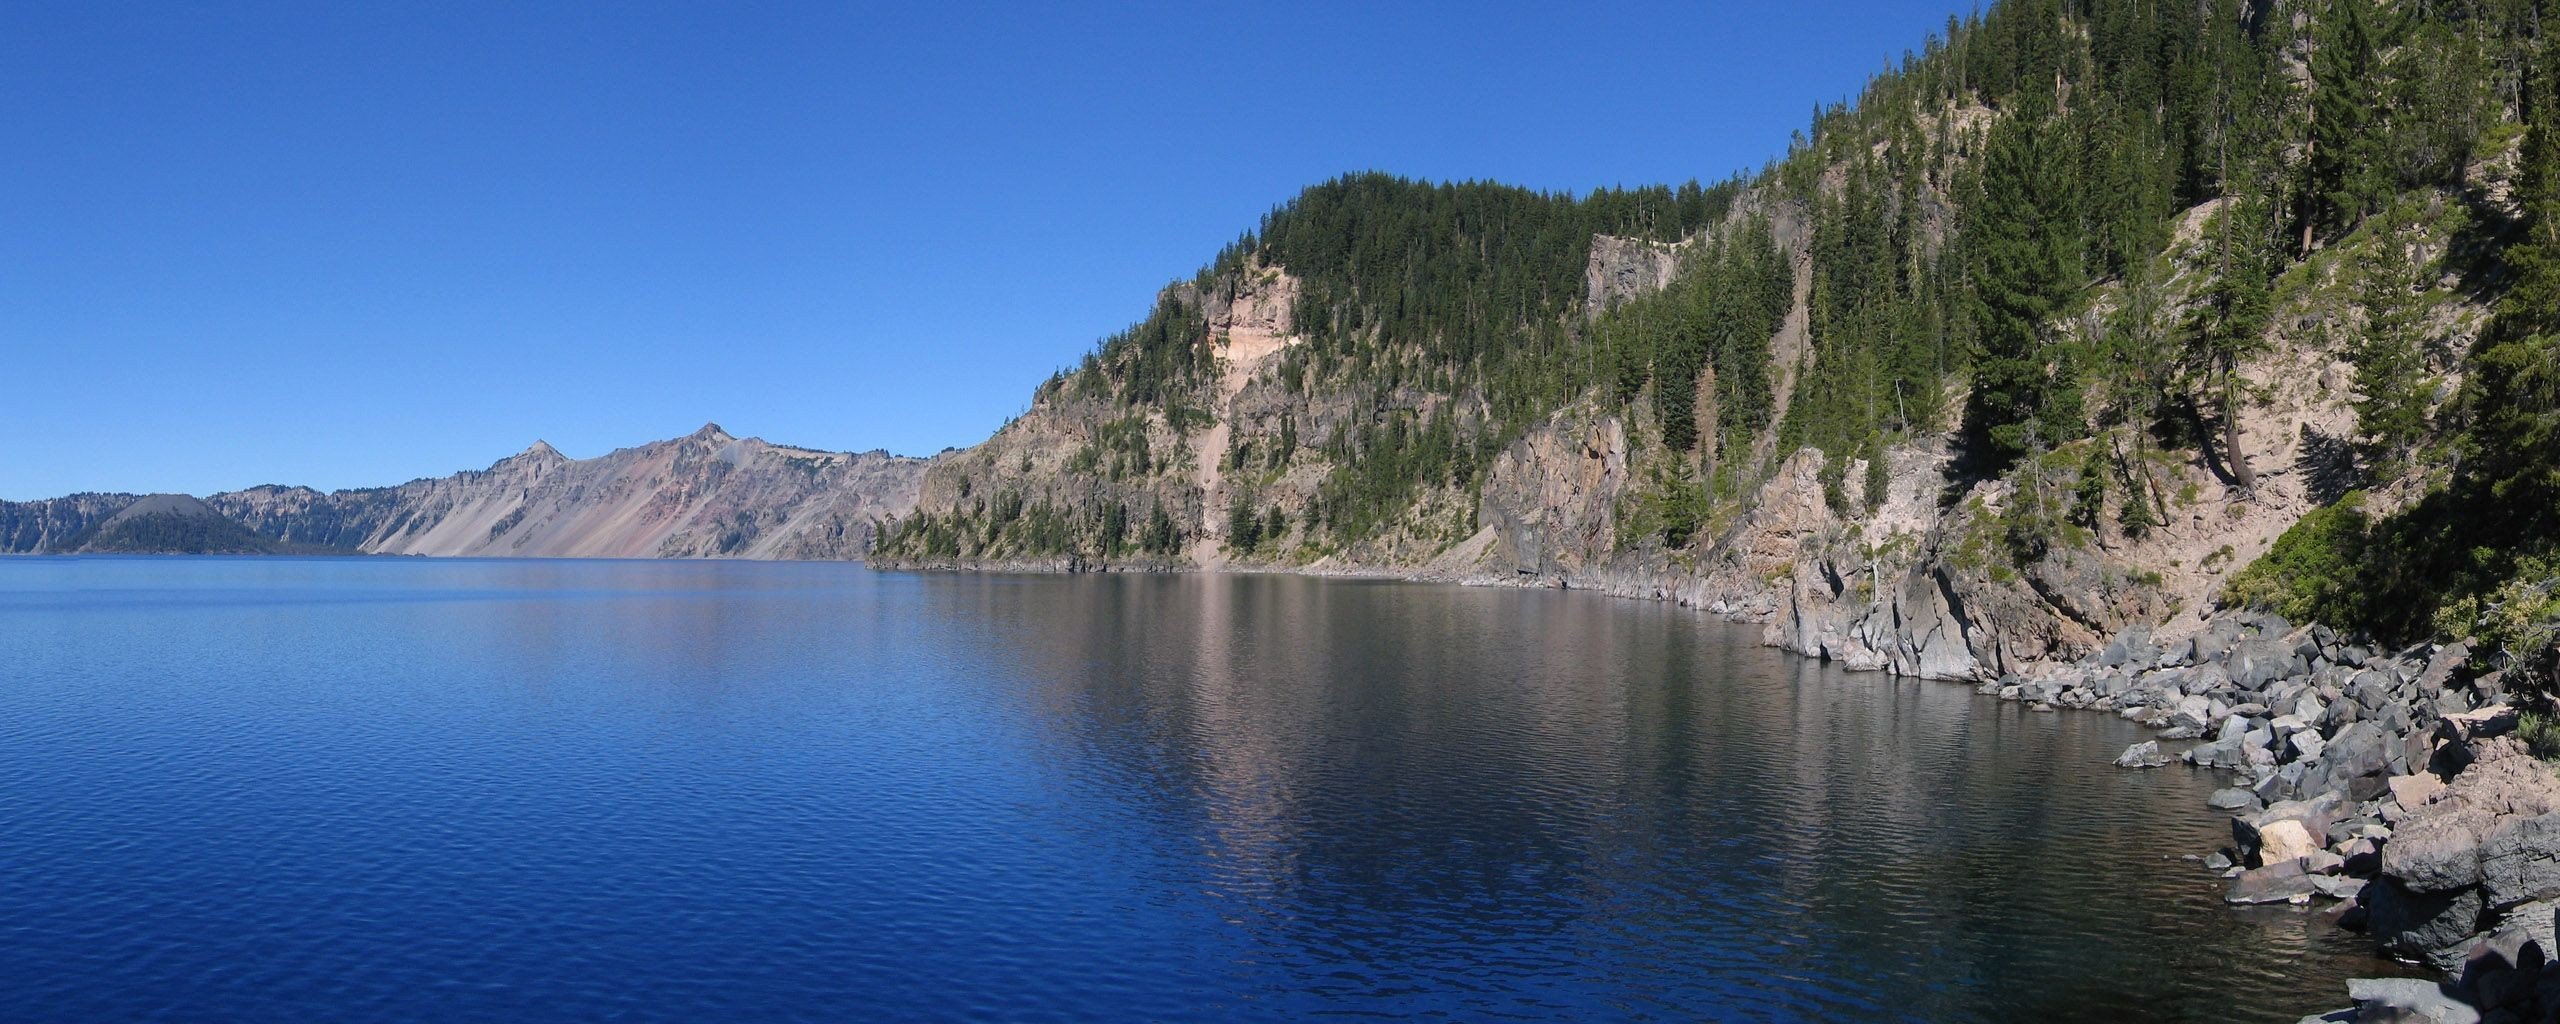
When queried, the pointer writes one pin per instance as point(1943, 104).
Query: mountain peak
point(712, 432)
point(183, 505)
point(540, 450)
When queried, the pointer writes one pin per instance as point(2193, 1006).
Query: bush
point(2311, 573)
point(2540, 733)
point(2521, 622)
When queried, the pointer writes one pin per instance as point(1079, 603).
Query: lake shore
point(2376, 786)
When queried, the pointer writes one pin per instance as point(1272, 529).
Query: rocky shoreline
point(2391, 786)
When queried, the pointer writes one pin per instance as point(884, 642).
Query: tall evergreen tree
point(2026, 267)
point(2391, 382)
point(2346, 166)
point(2232, 321)
point(2513, 393)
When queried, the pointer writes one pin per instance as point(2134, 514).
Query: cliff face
point(54, 524)
point(1919, 567)
point(706, 495)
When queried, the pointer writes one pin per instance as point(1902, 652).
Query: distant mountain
point(172, 524)
point(704, 495)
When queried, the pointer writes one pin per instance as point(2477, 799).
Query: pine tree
point(2231, 323)
point(2026, 268)
point(2513, 392)
point(2391, 382)
point(1244, 528)
point(2346, 162)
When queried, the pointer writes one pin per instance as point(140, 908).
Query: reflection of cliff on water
point(1542, 785)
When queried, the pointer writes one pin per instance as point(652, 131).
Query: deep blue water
point(397, 790)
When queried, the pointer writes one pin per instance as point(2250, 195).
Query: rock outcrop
point(1621, 268)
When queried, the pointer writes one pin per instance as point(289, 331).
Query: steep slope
point(705, 495)
point(2058, 330)
point(56, 524)
point(171, 524)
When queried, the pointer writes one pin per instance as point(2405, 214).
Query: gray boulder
point(2442, 667)
point(2431, 926)
point(2500, 971)
point(2359, 750)
point(2285, 830)
point(2337, 887)
point(2145, 754)
point(2406, 1001)
point(2256, 664)
point(2281, 882)
point(2437, 853)
point(2232, 799)
point(2521, 862)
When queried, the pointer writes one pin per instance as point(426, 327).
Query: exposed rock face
point(1621, 268)
point(1550, 501)
point(53, 524)
point(705, 495)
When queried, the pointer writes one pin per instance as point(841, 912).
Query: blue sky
point(352, 244)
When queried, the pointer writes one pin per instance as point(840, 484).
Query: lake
point(398, 789)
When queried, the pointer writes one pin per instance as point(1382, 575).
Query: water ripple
point(400, 790)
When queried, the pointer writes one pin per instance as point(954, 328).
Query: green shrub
point(2311, 571)
point(2540, 732)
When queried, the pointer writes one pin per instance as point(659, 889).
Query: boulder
point(2218, 754)
point(2232, 799)
point(2451, 702)
point(2413, 791)
point(2256, 664)
point(2406, 1001)
point(2437, 853)
point(2337, 887)
point(2132, 647)
point(2362, 857)
point(2430, 926)
point(2283, 882)
point(2145, 754)
point(2536, 919)
point(2372, 690)
point(2500, 970)
point(2193, 712)
point(2359, 750)
point(2283, 840)
point(2521, 861)
point(2208, 646)
point(2442, 667)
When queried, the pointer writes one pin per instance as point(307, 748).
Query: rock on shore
point(2390, 781)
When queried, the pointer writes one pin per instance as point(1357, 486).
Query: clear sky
point(350, 244)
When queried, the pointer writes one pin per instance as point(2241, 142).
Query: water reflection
point(1490, 803)
point(403, 790)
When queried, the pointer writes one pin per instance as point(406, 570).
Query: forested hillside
point(2060, 326)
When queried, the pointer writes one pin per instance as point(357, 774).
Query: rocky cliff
point(1918, 567)
point(705, 495)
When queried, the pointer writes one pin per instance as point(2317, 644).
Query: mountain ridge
point(707, 494)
